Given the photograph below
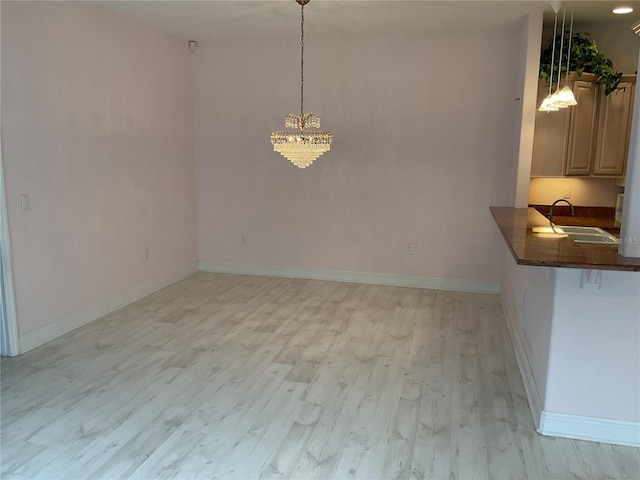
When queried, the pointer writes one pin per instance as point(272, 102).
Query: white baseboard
point(452, 284)
point(530, 388)
point(65, 325)
point(565, 425)
point(590, 428)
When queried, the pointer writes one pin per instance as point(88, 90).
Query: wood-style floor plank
point(246, 377)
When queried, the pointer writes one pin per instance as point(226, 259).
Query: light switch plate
point(25, 203)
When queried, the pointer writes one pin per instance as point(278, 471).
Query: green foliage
point(585, 58)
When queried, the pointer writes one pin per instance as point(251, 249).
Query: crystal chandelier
point(301, 147)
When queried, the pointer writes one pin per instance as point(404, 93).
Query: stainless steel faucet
point(554, 204)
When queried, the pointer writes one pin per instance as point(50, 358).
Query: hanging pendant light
point(301, 147)
point(547, 103)
point(565, 96)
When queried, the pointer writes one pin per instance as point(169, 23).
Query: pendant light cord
point(302, 64)
point(553, 51)
point(564, 11)
point(566, 81)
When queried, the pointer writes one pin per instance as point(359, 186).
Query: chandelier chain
point(302, 61)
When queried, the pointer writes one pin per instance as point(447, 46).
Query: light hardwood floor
point(240, 377)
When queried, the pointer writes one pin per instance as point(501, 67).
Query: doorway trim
point(10, 346)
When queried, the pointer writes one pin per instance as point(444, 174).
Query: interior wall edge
point(630, 229)
point(67, 324)
point(532, 36)
point(433, 283)
point(533, 395)
point(9, 327)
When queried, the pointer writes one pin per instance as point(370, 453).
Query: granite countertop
point(534, 249)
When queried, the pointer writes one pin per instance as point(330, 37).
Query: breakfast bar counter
point(540, 249)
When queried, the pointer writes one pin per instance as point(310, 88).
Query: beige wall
point(425, 131)
point(98, 131)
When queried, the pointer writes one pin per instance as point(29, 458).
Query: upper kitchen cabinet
point(614, 129)
point(581, 131)
point(590, 139)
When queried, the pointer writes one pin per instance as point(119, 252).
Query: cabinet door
point(548, 139)
point(613, 131)
point(581, 140)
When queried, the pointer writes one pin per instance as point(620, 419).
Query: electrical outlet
point(591, 279)
point(409, 249)
point(243, 239)
point(566, 192)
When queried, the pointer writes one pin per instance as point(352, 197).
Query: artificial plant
point(585, 58)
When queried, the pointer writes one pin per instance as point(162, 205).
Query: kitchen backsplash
point(588, 192)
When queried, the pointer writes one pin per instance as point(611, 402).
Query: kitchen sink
point(587, 230)
point(593, 235)
point(605, 238)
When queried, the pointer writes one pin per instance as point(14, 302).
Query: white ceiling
point(233, 19)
